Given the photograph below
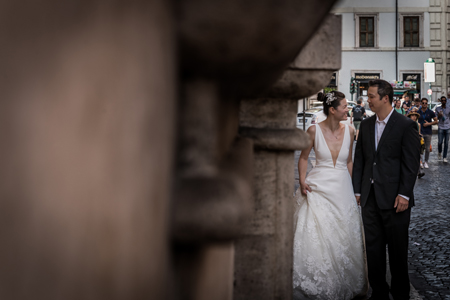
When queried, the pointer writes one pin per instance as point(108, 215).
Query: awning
point(401, 92)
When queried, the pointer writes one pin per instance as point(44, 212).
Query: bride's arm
point(303, 161)
point(350, 159)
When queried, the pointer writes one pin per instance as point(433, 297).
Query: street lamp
point(429, 71)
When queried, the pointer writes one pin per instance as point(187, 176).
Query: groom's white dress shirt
point(379, 128)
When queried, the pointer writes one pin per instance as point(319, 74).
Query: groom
point(386, 163)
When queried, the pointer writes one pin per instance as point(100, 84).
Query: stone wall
point(440, 42)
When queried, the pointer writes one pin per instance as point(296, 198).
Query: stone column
point(264, 256)
point(227, 49)
point(263, 264)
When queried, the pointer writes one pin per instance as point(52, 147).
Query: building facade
point(391, 40)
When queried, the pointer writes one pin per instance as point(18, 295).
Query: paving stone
point(430, 228)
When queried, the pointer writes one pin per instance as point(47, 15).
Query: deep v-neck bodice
point(324, 157)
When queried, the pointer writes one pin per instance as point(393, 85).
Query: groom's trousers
point(386, 227)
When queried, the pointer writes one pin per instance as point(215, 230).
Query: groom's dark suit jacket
point(393, 167)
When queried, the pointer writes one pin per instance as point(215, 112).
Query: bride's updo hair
point(331, 99)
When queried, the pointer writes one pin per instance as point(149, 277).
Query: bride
point(329, 261)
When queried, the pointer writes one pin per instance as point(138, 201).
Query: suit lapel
point(390, 124)
point(372, 133)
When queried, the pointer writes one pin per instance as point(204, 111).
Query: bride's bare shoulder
point(312, 129)
point(312, 132)
point(352, 130)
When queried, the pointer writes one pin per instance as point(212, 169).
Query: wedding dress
point(329, 260)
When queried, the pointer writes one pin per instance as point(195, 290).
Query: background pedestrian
point(426, 120)
point(358, 113)
point(398, 108)
point(405, 107)
point(415, 117)
point(416, 105)
point(443, 115)
point(406, 100)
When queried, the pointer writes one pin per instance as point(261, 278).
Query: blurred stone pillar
point(263, 263)
point(88, 92)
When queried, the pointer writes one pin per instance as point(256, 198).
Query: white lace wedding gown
point(329, 258)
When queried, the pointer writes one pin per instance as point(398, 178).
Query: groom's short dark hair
point(384, 88)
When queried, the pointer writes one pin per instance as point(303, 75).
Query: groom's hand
point(358, 200)
point(401, 204)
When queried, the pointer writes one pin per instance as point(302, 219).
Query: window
point(411, 31)
point(366, 32)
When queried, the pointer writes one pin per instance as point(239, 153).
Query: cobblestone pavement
point(429, 249)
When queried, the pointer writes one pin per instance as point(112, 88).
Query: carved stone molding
point(312, 68)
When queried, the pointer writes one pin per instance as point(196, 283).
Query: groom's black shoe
point(379, 297)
